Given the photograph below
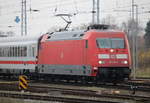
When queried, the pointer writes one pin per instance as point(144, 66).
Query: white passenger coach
point(18, 55)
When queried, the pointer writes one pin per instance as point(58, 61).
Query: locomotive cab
point(110, 57)
point(113, 58)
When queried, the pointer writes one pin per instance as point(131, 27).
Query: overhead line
point(49, 3)
point(52, 6)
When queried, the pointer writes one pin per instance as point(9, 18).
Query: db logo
point(113, 56)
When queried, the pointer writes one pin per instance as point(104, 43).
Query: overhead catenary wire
point(54, 5)
point(42, 8)
point(47, 5)
point(76, 6)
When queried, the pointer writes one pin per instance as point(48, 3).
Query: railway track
point(132, 85)
point(138, 85)
point(58, 91)
point(50, 98)
point(126, 86)
point(89, 93)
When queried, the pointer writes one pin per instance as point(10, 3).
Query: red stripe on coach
point(18, 62)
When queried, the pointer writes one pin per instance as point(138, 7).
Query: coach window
point(24, 51)
point(18, 51)
point(21, 51)
point(11, 51)
point(33, 50)
point(0, 52)
point(8, 51)
point(15, 54)
point(4, 52)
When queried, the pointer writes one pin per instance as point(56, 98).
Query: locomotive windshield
point(110, 43)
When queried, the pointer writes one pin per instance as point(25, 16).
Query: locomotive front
point(109, 55)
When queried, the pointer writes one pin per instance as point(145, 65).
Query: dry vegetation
point(143, 63)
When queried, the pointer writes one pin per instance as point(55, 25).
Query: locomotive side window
point(86, 44)
point(110, 43)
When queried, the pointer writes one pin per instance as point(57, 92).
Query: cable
point(76, 7)
point(55, 5)
point(52, 6)
point(49, 4)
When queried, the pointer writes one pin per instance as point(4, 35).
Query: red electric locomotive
point(94, 54)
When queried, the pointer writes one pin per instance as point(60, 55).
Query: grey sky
point(44, 19)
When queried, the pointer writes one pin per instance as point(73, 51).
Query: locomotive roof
point(71, 35)
point(66, 35)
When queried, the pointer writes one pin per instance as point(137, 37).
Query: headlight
point(111, 50)
point(101, 62)
point(125, 62)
